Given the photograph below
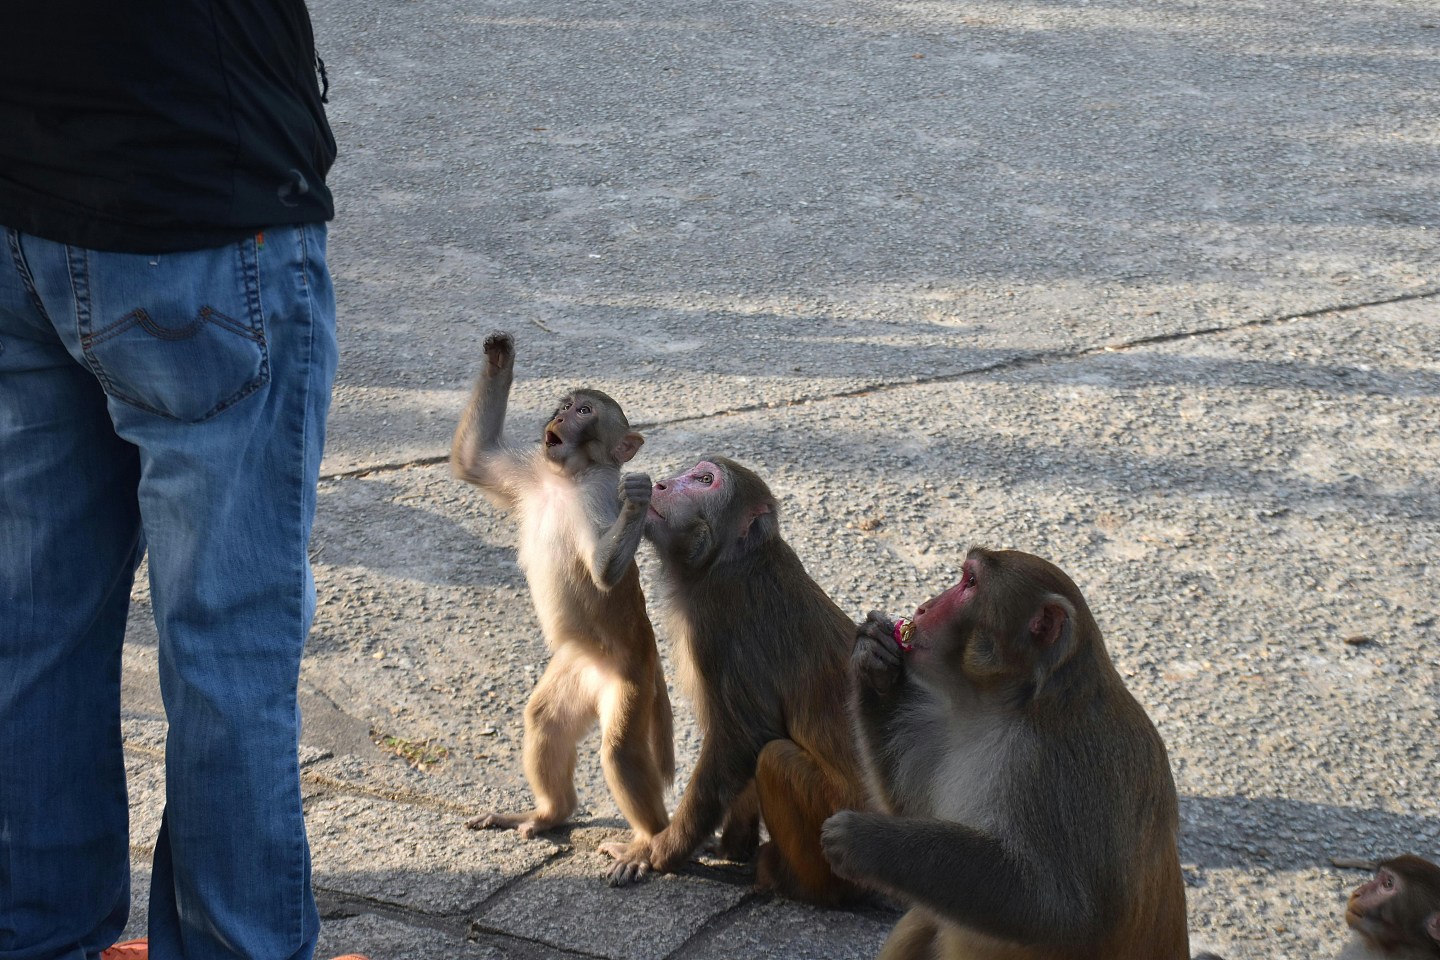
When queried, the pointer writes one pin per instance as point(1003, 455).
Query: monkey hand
point(632, 862)
point(837, 838)
point(635, 492)
point(500, 351)
point(876, 662)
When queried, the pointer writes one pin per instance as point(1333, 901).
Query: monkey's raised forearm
point(483, 423)
point(880, 687)
point(958, 872)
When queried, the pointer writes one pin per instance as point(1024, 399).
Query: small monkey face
point(1368, 901)
point(568, 425)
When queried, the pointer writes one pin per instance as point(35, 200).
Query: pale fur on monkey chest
point(555, 537)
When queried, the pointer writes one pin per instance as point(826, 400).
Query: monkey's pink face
point(934, 616)
point(680, 496)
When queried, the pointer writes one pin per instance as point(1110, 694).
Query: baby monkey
point(580, 524)
point(1396, 914)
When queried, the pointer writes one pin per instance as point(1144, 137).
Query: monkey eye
point(1387, 881)
point(706, 478)
point(585, 408)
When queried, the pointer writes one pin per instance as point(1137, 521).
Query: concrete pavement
point(1147, 289)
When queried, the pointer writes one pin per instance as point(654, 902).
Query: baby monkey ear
point(1432, 926)
point(628, 446)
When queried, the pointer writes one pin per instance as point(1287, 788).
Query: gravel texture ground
point(1147, 289)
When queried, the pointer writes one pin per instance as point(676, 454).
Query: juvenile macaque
point(1396, 915)
point(580, 524)
point(764, 654)
point(1028, 807)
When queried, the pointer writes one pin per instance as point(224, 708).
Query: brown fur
point(765, 655)
point(1029, 809)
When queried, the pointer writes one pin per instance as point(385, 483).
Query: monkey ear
point(1052, 622)
point(765, 516)
point(1432, 926)
point(628, 446)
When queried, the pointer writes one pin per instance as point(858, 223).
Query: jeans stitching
point(249, 275)
point(22, 267)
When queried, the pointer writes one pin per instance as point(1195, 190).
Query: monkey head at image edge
point(1396, 914)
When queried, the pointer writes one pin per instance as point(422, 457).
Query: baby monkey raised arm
point(580, 524)
point(1029, 807)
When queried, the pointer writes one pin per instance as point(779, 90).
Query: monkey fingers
point(499, 350)
point(635, 488)
point(632, 862)
point(876, 660)
point(835, 841)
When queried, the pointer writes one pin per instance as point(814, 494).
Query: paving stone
point(646, 921)
point(410, 856)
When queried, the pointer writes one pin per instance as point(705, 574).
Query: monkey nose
point(660, 485)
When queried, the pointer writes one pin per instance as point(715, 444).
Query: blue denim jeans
point(173, 403)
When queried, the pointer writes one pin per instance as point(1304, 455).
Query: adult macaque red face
point(1026, 804)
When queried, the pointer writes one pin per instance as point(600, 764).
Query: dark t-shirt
point(157, 125)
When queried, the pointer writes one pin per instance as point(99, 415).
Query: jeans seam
point(305, 494)
point(22, 267)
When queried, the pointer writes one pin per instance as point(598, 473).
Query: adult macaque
point(577, 545)
point(1396, 915)
point(764, 654)
point(1029, 811)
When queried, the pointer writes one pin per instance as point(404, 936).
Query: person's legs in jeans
point(218, 366)
point(69, 543)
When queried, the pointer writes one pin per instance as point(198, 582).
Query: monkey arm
point(477, 454)
point(724, 768)
point(960, 873)
point(615, 549)
point(880, 687)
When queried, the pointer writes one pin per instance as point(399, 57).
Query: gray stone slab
point(383, 938)
point(139, 898)
point(568, 904)
point(145, 782)
point(413, 857)
point(792, 931)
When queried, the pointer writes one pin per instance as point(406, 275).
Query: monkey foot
point(632, 862)
point(525, 824)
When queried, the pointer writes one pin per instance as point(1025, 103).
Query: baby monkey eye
point(585, 408)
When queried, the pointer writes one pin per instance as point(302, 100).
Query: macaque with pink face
point(763, 654)
point(1028, 807)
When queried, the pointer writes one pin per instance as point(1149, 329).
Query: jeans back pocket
point(180, 335)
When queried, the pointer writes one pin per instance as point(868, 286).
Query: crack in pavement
point(1018, 362)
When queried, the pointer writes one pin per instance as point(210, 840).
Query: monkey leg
point(627, 755)
point(796, 796)
point(740, 834)
point(561, 711)
point(662, 731)
point(914, 938)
